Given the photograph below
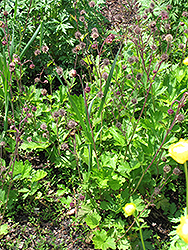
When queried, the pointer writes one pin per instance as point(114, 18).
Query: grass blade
point(109, 81)
point(30, 41)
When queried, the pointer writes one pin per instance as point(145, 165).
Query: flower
point(129, 209)
point(185, 61)
point(179, 151)
point(182, 229)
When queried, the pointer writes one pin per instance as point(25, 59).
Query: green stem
point(186, 178)
point(141, 236)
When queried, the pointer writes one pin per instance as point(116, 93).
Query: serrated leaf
point(101, 241)
point(93, 220)
point(114, 184)
point(40, 174)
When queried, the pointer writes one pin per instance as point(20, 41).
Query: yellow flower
point(179, 151)
point(185, 61)
point(129, 208)
point(182, 229)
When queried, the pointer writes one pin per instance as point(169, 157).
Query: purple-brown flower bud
point(105, 75)
point(44, 92)
point(170, 111)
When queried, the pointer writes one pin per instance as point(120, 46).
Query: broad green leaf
point(3, 230)
point(114, 184)
point(101, 241)
point(40, 174)
point(93, 220)
point(34, 145)
point(2, 197)
point(21, 170)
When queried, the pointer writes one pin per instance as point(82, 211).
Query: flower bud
point(129, 209)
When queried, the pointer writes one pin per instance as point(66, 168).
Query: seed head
point(185, 14)
point(131, 59)
point(167, 169)
point(106, 62)
point(137, 30)
point(124, 67)
point(37, 52)
point(94, 35)
point(43, 126)
point(36, 80)
point(64, 146)
point(134, 101)
point(169, 38)
point(100, 94)
point(164, 15)
point(32, 66)
point(59, 71)
point(180, 117)
point(62, 112)
point(118, 124)
point(12, 66)
point(2, 143)
point(72, 73)
point(45, 49)
point(34, 109)
point(169, 7)
point(78, 35)
point(153, 47)
point(82, 12)
point(164, 57)
point(176, 171)
point(4, 42)
point(95, 30)
point(44, 135)
point(55, 114)
point(167, 26)
point(129, 77)
point(94, 46)
point(181, 46)
point(29, 139)
point(44, 92)
point(87, 89)
point(82, 45)
point(72, 124)
point(92, 4)
point(5, 13)
point(139, 76)
point(82, 19)
point(152, 25)
point(105, 75)
point(170, 111)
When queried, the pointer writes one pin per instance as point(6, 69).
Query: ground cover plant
point(94, 139)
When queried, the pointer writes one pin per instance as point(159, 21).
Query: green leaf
point(79, 116)
point(101, 241)
point(30, 42)
point(3, 230)
point(21, 170)
point(40, 174)
point(93, 220)
point(2, 197)
point(34, 145)
point(114, 184)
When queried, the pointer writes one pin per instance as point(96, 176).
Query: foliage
point(90, 109)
